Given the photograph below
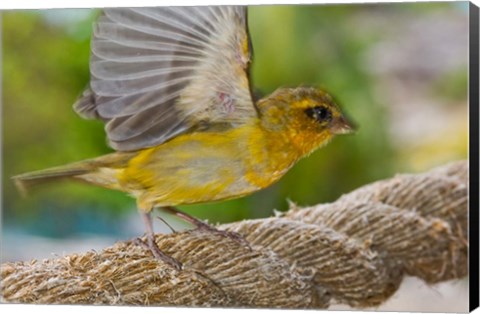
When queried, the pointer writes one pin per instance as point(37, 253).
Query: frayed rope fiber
point(353, 251)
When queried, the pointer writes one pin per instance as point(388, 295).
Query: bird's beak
point(341, 125)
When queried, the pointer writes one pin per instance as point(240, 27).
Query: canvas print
point(262, 156)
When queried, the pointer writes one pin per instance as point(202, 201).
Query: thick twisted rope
point(354, 251)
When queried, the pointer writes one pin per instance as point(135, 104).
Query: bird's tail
point(101, 171)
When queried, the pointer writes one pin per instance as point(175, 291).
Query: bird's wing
point(159, 72)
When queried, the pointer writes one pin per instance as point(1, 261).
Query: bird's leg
point(202, 225)
point(152, 245)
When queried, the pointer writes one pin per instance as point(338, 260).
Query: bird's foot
point(157, 253)
point(204, 226)
point(235, 236)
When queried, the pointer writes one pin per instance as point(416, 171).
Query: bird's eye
point(319, 113)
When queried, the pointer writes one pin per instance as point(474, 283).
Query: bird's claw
point(157, 253)
point(235, 236)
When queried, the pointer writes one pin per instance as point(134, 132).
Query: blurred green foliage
point(45, 67)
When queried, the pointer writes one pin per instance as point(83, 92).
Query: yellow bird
point(172, 86)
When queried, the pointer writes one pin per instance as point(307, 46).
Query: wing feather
point(135, 103)
point(160, 72)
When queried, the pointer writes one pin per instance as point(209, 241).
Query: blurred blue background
point(399, 70)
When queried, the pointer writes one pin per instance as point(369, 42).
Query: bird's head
point(308, 116)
